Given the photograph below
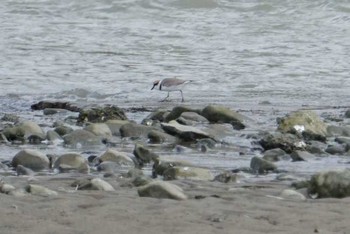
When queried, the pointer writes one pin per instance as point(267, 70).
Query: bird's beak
point(153, 87)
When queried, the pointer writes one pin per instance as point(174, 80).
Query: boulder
point(81, 137)
point(192, 173)
point(63, 130)
point(220, 114)
point(161, 189)
point(177, 111)
point(99, 129)
point(39, 190)
point(300, 155)
point(121, 158)
point(160, 166)
point(261, 166)
point(101, 114)
point(226, 177)
point(24, 131)
point(32, 159)
point(186, 133)
point(6, 188)
point(21, 170)
point(157, 137)
point(93, 184)
point(71, 162)
point(141, 180)
point(53, 137)
point(274, 155)
point(144, 155)
point(336, 149)
point(115, 125)
point(191, 118)
point(291, 194)
point(60, 105)
point(330, 184)
point(135, 130)
point(286, 142)
point(305, 122)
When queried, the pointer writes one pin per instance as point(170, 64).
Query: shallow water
point(263, 58)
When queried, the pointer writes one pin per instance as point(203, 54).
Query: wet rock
point(287, 142)
point(63, 130)
point(32, 159)
point(82, 137)
point(330, 184)
point(338, 131)
point(220, 114)
point(10, 118)
point(21, 170)
point(160, 166)
point(336, 149)
point(161, 189)
point(299, 155)
point(6, 188)
point(101, 114)
point(135, 130)
point(226, 177)
point(186, 133)
point(305, 122)
point(192, 173)
point(39, 190)
point(99, 129)
point(60, 105)
point(291, 194)
point(115, 125)
point(316, 147)
point(261, 166)
point(141, 181)
point(3, 138)
point(24, 131)
point(53, 137)
point(347, 114)
point(344, 141)
point(93, 184)
point(53, 111)
point(71, 162)
point(144, 155)
point(158, 116)
point(108, 167)
point(134, 172)
point(121, 158)
point(191, 118)
point(274, 155)
point(177, 111)
point(157, 137)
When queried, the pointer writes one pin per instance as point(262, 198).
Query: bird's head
point(155, 83)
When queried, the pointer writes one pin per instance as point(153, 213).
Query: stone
point(135, 130)
point(108, 167)
point(274, 155)
point(63, 130)
point(144, 155)
point(6, 188)
point(185, 133)
point(305, 122)
point(291, 194)
point(10, 118)
point(177, 111)
point(141, 181)
point(134, 172)
point(192, 173)
point(53, 137)
point(99, 129)
point(336, 131)
point(161, 189)
point(32, 159)
point(335, 183)
point(115, 125)
point(344, 141)
point(286, 142)
point(21, 170)
point(220, 114)
point(158, 115)
point(81, 137)
point(226, 177)
point(60, 105)
point(191, 118)
point(300, 155)
point(261, 166)
point(347, 114)
point(71, 162)
point(39, 190)
point(336, 149)
point(160, 166)
point(93, 184)
point(121, 158)
point(24, 131)
point(100, 114)
point(53, 111)
point(158, 137)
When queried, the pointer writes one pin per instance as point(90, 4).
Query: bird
point(171, 85)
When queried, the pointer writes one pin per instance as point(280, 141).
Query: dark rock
point(60, 105)
point(347, 114)
point(220, 114)
point(287, 142)
point(101, 114)
point(299, 155)
point(345, 141)
point(32, 159)
point(24, 131)
point(63, 130)
point(274, 155)
point(157, 137)
point(316, 147)
point(261, 166)
point(336, 149)
point(144, 155)
point(330, 184)
point(177, 111)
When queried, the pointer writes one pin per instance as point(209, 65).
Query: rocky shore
point(97, 184)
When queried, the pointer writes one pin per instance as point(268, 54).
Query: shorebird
point(170, 85)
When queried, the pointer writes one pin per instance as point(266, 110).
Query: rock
point(157, 137)
point(99, 129)
point(305, 122)
point(121, 158)
point(21, 170)
point(177, 111)
point(160, 166)
point(316, 147)
point(192, 173)
point(24, 131)
point(191, 118)
point(53, 111)
point(39, 190)
point(338, 131)
point(226, 177)
point(330, 184)
point(133, 173)
point(54, 137)
point(220, 114)
point(32, 159)
point(261, 166)
point(344, 141)
point(109, 167)
point(60, 105)
point(287, 142)
point(336, 149)
point(72, 162)
point(186, 133)
point(156, 116)
point(101, 114)
point(81, 137)
point(93, 184)
point(144, 155)
point(63, 130)
point(115, 125)
point(135, 130)
point(347, 114)
point(141, 181)
point(3, 138)
point(161, 189)
point(291, 194)
point(10, 118)
point(6, 188)
point(299, 155)
point(274, 155)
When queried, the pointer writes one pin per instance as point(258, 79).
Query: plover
point(171, 85)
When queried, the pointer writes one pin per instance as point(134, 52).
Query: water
point(241, 54)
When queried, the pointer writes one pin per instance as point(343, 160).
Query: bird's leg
point(182, 96)
point(165, 98)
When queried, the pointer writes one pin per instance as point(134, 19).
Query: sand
point(212, 207)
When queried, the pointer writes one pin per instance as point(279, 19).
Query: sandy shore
point(212, 207)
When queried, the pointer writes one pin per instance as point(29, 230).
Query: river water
point(259, 56)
